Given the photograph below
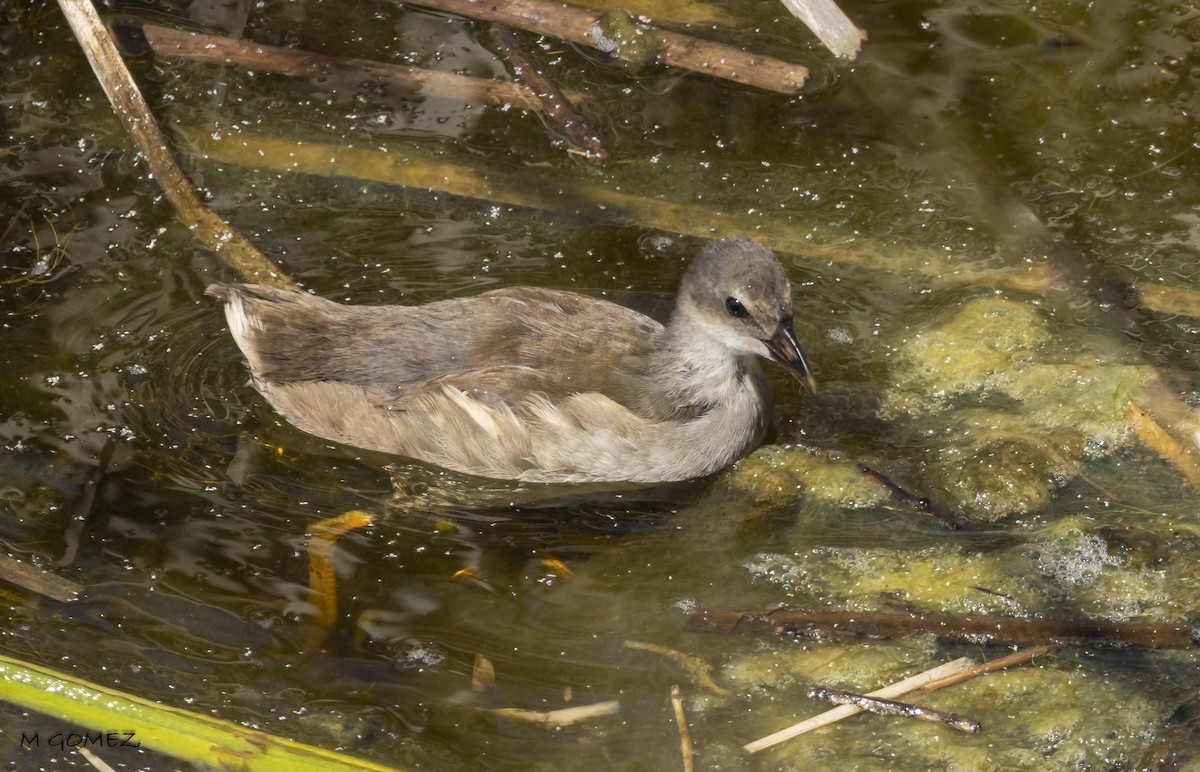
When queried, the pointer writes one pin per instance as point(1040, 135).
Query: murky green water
point(974, 355)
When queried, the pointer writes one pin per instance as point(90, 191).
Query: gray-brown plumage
point(533, 384)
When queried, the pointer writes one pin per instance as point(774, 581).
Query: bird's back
point(520, 339)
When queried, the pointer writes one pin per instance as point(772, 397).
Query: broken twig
point(983, 668)
point(210, 49)
point(844, 711)
point(554, 104)
point(884, 707)
point(553, 719)
point(122, 92)
point(36, 580)
point(695, 667)
point(98, 763)
point(685, 737)
point(619, 34)
point(939, 678)
point(917, 503)
point(832, 27)
point(1162, 443)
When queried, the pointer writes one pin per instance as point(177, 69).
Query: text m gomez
point(81, 740)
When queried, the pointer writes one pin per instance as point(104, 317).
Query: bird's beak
point(786, 351)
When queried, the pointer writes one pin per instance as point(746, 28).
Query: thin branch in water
point(884, 707)
point(621, 35)
point(1162, 443)
point(831, 26)
point(685, 737)
point(483, 684)
point(994, 593)
point(695, 667)
point(555, 719)
point(127, 101)
point(983, 668)
point(36, 580)
point(917, 503)
point(939, 678)
point(844, 711)
point(554, 103)
point(100, 764)
point(197, 47)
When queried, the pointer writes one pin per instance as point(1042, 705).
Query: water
point(898, 191)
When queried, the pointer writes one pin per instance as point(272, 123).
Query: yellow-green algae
point(1120, 573)
point(1053, 713)
point(992, 476)
point(852, 666)
point(779, 474)
point(1051, 717)
point(1097, 571)
point(1060, 712)
point(616, 32)
point(998, 411)
point(1022, 405)
point(938, 578)
point(984, 339)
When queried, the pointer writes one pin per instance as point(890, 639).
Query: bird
point(534, 384)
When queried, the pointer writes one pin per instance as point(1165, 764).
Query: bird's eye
point(735, 308)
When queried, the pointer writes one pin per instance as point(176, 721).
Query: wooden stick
point(964, 671)
point(36, 580)
point(832, 27)
point(122, 92)
point(843, 711)
point(919, 504)
point(685, 737)
point(882, 707)
point(697, 668)
point(197, 47)
point(671, 48)
point(554, 104)
point(554, 719)
point(1161, 442)
point(944, 627)
point(983, 668)
point(100, 764)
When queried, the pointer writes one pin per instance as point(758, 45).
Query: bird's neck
point(696, 373)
